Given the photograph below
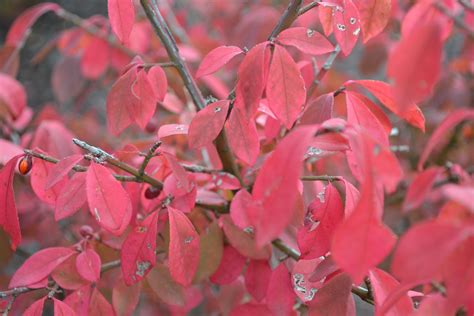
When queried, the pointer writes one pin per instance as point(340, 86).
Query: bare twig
point(290, 15)
point(110, 265)
point(324, 69)
point(148, 157)
point(321, 178)
point(467, 4)
point(456, 19)
point(308, 7)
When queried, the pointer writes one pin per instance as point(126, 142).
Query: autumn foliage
point(243, 158)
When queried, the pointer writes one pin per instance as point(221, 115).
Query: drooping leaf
point(216, 59)
point(165, 287)
point(71, 197)
point(61, 169)
point(138, 250)
point(67, 276)
point(12, 96)
point(211, 252)
point(54, 138)
point(420, 187)
point(125, 298)
point(108, 200)
point(251, 309)
point(276, 185)
point(257, 278)
point(122, 17)
point(448, 123)
point(374, 16)
point(40, 265)
point(62, 309)
point(8, 212)
point(306, 40)
point(243, 137)
point(280, 295)
point(207, 124)
point(99, 305)
point(40, 173)
point(334, 298)
point(230, 267)
point(35, 309)
point(158, 81)
point(346, 26)
point(22, 24)
point(96, 58)
point(286, 93)
point(183, 249)
point(460, 194)
point(88, 265)
point(318, 110)
point(172, 129)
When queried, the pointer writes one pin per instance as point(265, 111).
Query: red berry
point(25, 165)
point(152, 192)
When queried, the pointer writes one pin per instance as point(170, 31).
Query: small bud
point(152, 192)
point(25, 165)
point(86, 231)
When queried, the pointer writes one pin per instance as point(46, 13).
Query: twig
point(200, 169)
point(456, 19)
point(308, 7)
point(467, 5)
point(290, 15)
point(9, 306)
point(16, 291)
point(324, 69)
point(290, 252)
point(321, 178)
point(55, 289)
point(148, 157)
point(109, 266)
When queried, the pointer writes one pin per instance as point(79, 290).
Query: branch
point(456, 19)
point(148, 157)
point(290, 15)
point(308, 7)
point(321, 178)
point(467, 5)
point(322, 72)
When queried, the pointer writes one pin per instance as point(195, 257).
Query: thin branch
point(308, 7)
point(467, 5)
point(290, 252)
point(458, 21)
point(109, 266)
point(9, 306)
point(321, 178)
point(324, 69)
point(200, 169)
point(148, 157)
point(288, 17)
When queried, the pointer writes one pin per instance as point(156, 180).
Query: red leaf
point(239, 209)
point(207, 124)
point(257, 277)
point(60, 170)
point(183, 248)
point(306, 40)
point(448, 123)
point(243, 137)
point(276, 185)
point(72, 197)
point(359, 114)
point(67, 276)
point(346, 26)
point(383, 284)
point(62, 309)
point(414, 68)
point(252, 80)
point(88, 265)
point(95, 58)
point(108, 201)
point(230, 267)
point(40, 174)
point(35, 309)
point(122, 17)
point(251, 309)
point(334, 298)
point(460, 194)
point(99, 306)
point(286, 93)
point(384, 92)
point(9, 150)
point(138, 250)
point(163, 285)
point(280, 294)
point(39, 265)
point(423, 249)
point(20, 27)
point(374, 16)
point(8, 212)
point(420, 187)
point(159, 83)
point(326, 18)
point(319, 110)
point(131, 99)
point(12, 95)
point(55, 139)
point(172, 129)
point(325, 212)
point(79, 300)
point(352, 198)
point(216, 59)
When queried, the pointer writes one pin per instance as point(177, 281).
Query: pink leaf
point(20, 27)
point(257, 278)
point(319, 110)
point(346, 26)
point(12, 95)
point(334, 298)
point(252, 80)
point(88, 265)
point(280, 295)
point(207, 124)
point(183, 248)
point(62, 309)
point(60, 170)
point(448, 123)
point(40, 173)
point(99, 306)
point(251, 309)
point(8, 212)
point(72, 197)
point(243, 137)
point(108, 201)
point(384, 92)
point(159, 83)
point(374, 16)
point(125, 298)
point(420, 187)
point(122, 17)
point(460, 194)
point(35, 309)
point(216, 59)
point(277, 185)
point(138, 250)
point(286, 91)
point(39, 265)
point(306, 40)
point(96, 58)
point(383, 284)
point(172, 129)
point(9, 150)
point(230, 267)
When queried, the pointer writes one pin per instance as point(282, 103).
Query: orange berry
point(25, 165)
